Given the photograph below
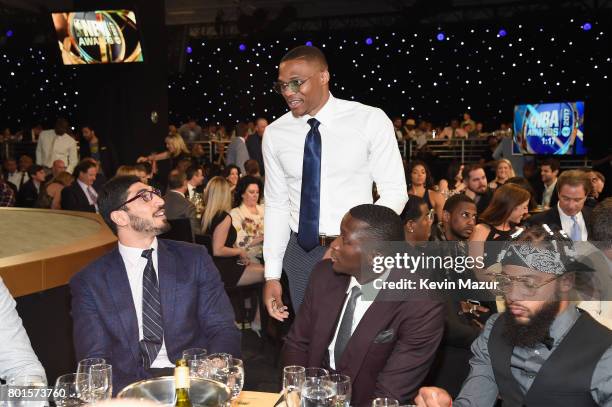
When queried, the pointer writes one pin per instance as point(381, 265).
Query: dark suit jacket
point(539, 193)
point(108, 156)
point(196, 310)
point(179, 207)
point(551, 218)
point(27, 196)
point(74, 199)
point(253, 144)
point(390, 351)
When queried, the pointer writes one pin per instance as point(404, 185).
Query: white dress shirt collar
point(567, 223)
point(326, 115)
point(132, 255)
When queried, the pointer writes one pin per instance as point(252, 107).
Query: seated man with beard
point(542, 351)
point(143, 303)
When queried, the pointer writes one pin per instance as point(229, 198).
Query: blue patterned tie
point(152, 331)
point(575, 233)
point(308, 232)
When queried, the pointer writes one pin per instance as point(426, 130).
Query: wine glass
point(235, 379)
point(194, 354)
point(101, 382)
point(318, 391)
point(218, 365)
point(342, 386)
point(72, 390)
point(385, 402)
point(293, 380)
point(86, 364)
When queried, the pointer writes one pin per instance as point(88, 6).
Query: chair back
point(180, 230)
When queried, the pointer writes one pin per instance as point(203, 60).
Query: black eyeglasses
point(293, 85)
point(145, 194)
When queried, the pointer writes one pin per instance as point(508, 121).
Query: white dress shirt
point(135, 265)
point(15, 178)
point(547, 194)
point(52, 147)
point(358, 146)
point(191, 190)
point(361, 307)
point(567, 222)
point(16, 355)
point(90, 193)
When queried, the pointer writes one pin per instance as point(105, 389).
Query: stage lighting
point(189, 50)
point(242, 47)
point(369, 41)
point(502, 33)
point(309, 43)
point(440, 37)
point(587, 26)
point(9, 33)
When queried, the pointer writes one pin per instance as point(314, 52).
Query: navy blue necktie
point(152, 331)
point(308, 232)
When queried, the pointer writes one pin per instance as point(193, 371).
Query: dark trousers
point(298, 265)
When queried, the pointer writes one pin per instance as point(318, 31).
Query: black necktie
point(308, 229)
point(23, 174)
point(152, 331)
point(346, 325)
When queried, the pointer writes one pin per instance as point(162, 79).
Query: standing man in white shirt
point(56, 144)
point(321, 159)
point(569, 214)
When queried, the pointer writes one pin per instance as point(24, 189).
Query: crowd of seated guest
point(469, 208)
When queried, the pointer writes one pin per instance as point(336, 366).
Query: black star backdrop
point(432, 73)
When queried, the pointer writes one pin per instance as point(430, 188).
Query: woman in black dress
point(232, 262)
point(510, 204)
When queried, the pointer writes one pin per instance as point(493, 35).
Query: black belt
point(324, 240)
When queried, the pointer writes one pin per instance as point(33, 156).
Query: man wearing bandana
point(542, 351)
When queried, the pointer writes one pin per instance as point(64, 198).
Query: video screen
point(98, 37)
point(549, 128)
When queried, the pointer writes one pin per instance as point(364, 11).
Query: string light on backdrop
point(407, 73)
point(429, 75)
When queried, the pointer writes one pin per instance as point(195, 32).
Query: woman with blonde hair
point(176, 150)
point(51, 194)
point(503, 172)
point(232, 262)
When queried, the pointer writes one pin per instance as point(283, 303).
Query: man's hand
point(433, 397)
point(272, 293)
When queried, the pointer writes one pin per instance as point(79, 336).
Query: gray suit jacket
point(237, 153)
point(179, 207)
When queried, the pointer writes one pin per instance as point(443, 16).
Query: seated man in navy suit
point(385, 345)
point(149, 299)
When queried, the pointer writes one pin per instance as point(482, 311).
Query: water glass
point(385, 402)
point(72, 390)
point(235, 379)
point(194, 354)
point(318, 392)
point(342, 387)
point(218, 367)
point(198, 368)
point(26, 380)
point(86, 364)
point(101, 382)
point(315, 372)
point(293, 380)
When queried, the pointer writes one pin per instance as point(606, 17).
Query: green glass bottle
point(181, 382)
